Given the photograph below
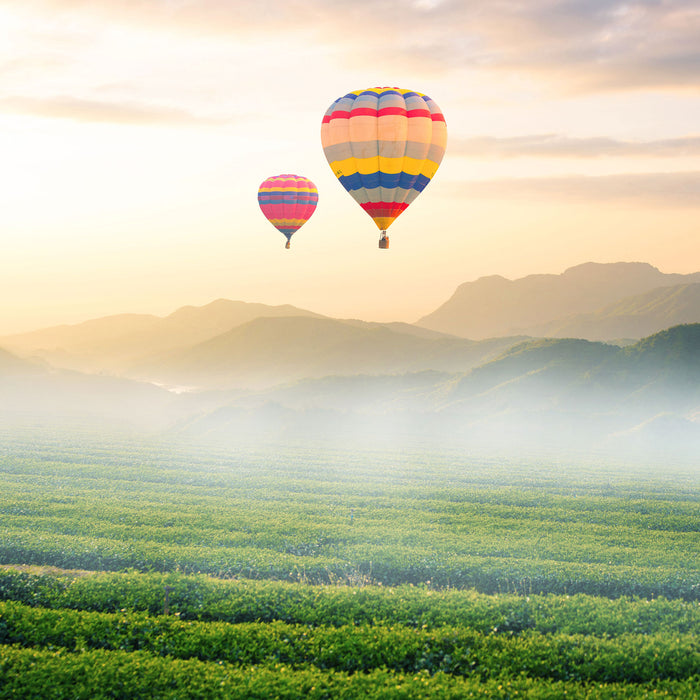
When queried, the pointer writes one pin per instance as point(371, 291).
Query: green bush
point(98, 675)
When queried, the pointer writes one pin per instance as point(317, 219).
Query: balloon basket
point(384, 242)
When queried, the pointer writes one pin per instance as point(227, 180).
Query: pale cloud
point(195, 16)
point(558, 146)
point(574, 45)
point(594, 45)
point(678, 190)
point(67, 107)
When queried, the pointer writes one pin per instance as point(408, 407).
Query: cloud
point(197, 16)
point(558, 146)
point(575, 45)
point(76, 109)
point(677, 189)
point(595, 45)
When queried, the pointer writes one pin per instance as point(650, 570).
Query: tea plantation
point(140, 569)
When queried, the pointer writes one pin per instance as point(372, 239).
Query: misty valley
point(478, 372)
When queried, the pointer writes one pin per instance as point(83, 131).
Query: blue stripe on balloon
point(390, 180)
point(380, 93)
point(378, 179)
point(421, 183)
point(370, 180)
point(351, 182)
point(407, 181)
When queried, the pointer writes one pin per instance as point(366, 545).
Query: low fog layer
point(532, 396)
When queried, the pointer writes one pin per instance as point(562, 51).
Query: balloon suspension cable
point(384, 240)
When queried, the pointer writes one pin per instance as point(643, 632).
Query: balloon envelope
point(287, 201)
point(384, 145)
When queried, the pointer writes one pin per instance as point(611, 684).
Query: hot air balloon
point(287, 201)
point(384, 144)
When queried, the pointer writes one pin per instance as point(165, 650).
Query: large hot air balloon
point(384, 144)
point(287, 201)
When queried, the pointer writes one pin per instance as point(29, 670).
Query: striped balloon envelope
point(384, 144)
point(287, 201)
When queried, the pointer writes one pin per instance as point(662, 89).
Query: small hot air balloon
point(287, 201)
point(384, 144)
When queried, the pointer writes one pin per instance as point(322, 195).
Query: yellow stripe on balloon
point(287, 189)
point(429, 168)
point(367, 166)
point(348, 166)
point(288, 222)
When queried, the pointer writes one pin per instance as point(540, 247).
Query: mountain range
point(615, 302)
point(231, 370)
point(114, 343)
point(594, 301)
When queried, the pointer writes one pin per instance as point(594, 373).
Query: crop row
point(389, 566)
point(97, 675)
point(452, 650)
point(199, 597)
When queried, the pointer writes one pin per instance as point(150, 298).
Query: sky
point(134, 136)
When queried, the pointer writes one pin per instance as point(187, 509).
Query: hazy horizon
point(165, 311)
point(134, 139)
point(233, 372)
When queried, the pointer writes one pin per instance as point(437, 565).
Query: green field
point(293, 571)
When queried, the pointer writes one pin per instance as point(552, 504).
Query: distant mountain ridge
point(632, 317)
point(617, 302)
point(233, 344)
point(585, 301)
point(113, 343)
point(269, 351)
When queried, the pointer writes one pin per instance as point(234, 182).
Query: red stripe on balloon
point(383, 208)
point(339, 114)
point(418, 113)
point(363, 112)
point(383, 112)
